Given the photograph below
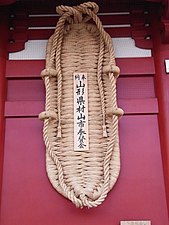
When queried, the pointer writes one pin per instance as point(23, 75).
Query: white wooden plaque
point(167, 66)
point(81, 139)
point(139, 222)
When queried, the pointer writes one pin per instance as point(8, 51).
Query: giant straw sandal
point(82, 144)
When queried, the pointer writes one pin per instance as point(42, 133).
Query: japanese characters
point(80, 112)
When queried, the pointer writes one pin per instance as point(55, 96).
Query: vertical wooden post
point(3, 57)
point(160, 53)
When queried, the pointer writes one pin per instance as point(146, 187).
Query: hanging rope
point(81, 193)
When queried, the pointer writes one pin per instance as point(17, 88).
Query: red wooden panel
point(33, 108)
point(27, 68)
point(136, 66)
point(28, 198)
point(135, 87)
point(24, 108)
point(127, 88)
point(25, 90)
point(139, 106)
point(140, 31)
point(18, 46)
point(141, 42)
point(32, 68)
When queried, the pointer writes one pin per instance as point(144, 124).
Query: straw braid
point(53, 69)
point(99, 73)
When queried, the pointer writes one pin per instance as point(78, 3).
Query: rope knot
point(69, 11)
point(47, 115)
point(115, 70)
point(117, 112)
point(92, 6)
point(78, 11)
point(87, 8)
point(50, 72)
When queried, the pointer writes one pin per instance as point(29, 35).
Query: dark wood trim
point(6, 2)
point(24, 27)
point(3, 57)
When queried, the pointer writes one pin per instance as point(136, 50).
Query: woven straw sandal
point(82, 165)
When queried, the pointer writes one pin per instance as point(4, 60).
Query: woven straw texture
point(79, 44)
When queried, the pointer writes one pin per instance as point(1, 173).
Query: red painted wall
point(28, 198)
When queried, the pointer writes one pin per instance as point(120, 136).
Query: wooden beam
point(161, 52)
point(32, 68)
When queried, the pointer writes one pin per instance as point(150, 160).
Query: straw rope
point(83, 177)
